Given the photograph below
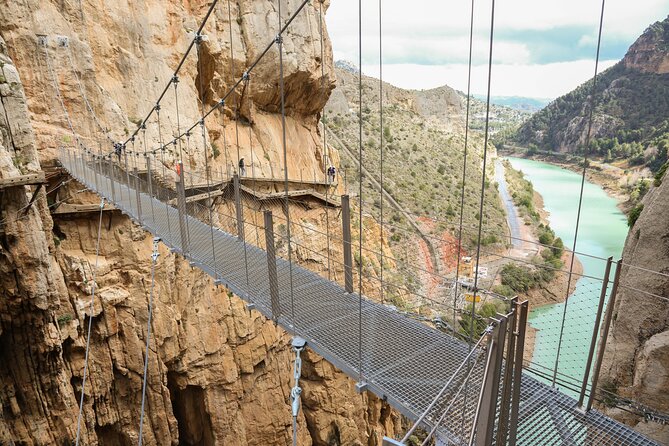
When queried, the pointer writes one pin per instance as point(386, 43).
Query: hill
point(631, 117)
point(423, 156)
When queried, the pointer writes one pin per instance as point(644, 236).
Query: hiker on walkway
point(242, 168)
point(332, 173)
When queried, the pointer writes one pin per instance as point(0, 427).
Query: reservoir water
point(602, 232)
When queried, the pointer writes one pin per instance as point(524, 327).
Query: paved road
point(512, 218)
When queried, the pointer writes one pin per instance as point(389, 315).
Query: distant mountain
point(631, 117)
point(346, 66)
point(529, 105)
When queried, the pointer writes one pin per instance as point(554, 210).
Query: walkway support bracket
point(346, 231)
point(271, 265)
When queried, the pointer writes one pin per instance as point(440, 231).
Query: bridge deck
point(400, 359)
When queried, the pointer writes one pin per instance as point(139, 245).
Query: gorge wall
point(218, 373)
point(636, 363)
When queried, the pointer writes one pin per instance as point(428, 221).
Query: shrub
point(518, 278)
point(634, 215)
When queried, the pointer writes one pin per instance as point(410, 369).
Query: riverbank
point(614, 180)
point(530, 221)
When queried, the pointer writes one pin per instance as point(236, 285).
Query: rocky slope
point(218, 374)
point(632, 104)
point(423, 142)
point(637, 351)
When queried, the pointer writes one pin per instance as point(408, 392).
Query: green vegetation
point(522, 192)
point(422, 166)
point(64, 319)
point(216, 152)
point(634, 215)
point(483, 312)
point(660, 173)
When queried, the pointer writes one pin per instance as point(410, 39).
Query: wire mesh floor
point(400, 359)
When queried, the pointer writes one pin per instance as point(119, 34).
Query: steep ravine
point(218, 373)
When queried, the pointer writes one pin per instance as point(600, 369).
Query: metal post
point(595, 331)
point(485, 419)
point(271, 265)
point(346, 230)
point(111, 179)
point(127, 177)
point(95, 172)
point(238, 208)
point(517, 370)
point(502, 426)
point(137, 197)
point(181, 208)
point(605, 335)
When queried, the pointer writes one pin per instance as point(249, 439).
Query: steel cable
point(580, 197)
point(90, 325)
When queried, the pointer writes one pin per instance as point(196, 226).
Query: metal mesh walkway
point(400, 359)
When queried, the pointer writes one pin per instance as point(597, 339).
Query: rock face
point(636, 363)
point(218, 373)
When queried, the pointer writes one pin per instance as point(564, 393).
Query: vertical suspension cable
point(580, 197)
point(154, 259)
point(483, 175)
point(462, 207)
point(90, 324)
point(210, 202)
point(360, 189)
point(279, 40)
point(149, 175)
point(464, 170)
point(381, 136)
point(326, 152)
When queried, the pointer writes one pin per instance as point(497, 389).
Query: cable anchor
point(298, 344)
point(278, 39)
point(155, 254)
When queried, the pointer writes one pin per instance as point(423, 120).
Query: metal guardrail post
point(487, 405)
point(238, 208)
point(181, 208)
point(510, 364)
point(595, 332)
point(137, 197)
point(127, 177)
point(271, 265)
point(149, 174)
point(95, 172)
point(605, 335)
point(522, 309)
point(111, 179)
point(346, 231)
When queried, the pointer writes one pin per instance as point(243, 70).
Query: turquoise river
point(602, 232)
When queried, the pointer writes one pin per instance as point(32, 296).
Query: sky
point(542, 49)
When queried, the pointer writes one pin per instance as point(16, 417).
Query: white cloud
point(542, 81)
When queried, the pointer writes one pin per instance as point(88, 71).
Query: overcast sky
point(542, 48)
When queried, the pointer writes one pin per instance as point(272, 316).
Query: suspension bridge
point(464, 391)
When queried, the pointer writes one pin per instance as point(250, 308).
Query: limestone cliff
point(637, 352)
point(218, 373)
